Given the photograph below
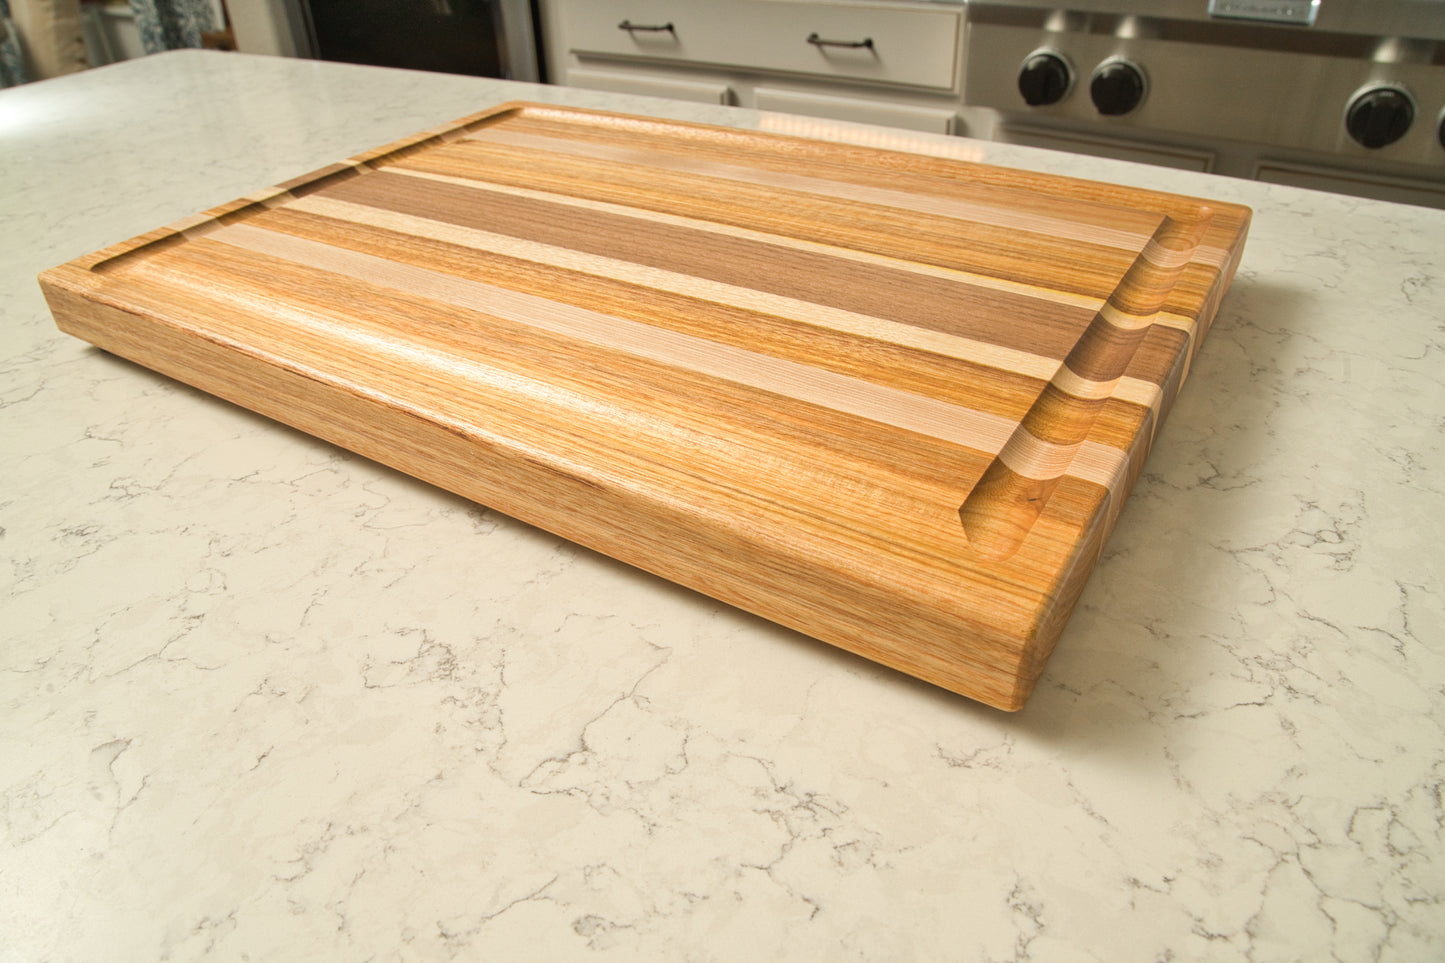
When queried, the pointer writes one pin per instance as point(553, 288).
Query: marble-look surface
point(261, 699)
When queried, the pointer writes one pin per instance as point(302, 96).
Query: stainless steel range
point(1342, 95)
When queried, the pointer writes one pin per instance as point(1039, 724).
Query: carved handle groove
point(1003, 506)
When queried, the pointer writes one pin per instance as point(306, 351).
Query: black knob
point(1380, 116)
point(1441, 132)
point(1044, 79)
point(1117, 87)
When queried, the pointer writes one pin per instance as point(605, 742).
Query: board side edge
point(691, 550)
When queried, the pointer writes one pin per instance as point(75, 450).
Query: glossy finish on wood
point(892, 401)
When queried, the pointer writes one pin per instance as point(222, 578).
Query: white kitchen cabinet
point(890, 63)
point(895, 44)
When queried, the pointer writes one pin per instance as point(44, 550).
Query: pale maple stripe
point(941, 420)
point(1104, 465)
point(1070, 382)
point(1032, 457)
point(896, 140)
point(1178, 322)
point(977, 212)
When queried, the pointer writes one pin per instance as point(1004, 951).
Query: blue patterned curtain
point(12, 62)
point(171, 24)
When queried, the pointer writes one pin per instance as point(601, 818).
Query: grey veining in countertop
point(262, 699)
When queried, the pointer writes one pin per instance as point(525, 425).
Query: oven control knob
point(1379, 116)
point(1117, 87)
point(1044, 78)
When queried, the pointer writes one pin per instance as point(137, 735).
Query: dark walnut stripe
point(999, 317)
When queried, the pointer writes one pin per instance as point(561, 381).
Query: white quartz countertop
point(262, 699)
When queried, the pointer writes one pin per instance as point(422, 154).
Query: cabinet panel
point(651, 85)
point(905, 45)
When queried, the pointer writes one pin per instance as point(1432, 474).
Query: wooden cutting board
point(893, 401)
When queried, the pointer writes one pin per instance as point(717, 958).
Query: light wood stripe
point(1071, 382)
point(1033, 457)
point(936, 419)
point(1165, 319)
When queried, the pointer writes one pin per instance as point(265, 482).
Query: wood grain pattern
point(893, 401)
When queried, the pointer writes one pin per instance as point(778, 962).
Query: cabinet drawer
point(905, 45)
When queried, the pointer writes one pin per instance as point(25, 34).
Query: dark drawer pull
point(631, 27)
point(818, 41)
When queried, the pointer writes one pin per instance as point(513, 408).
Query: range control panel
point(1254, 71)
